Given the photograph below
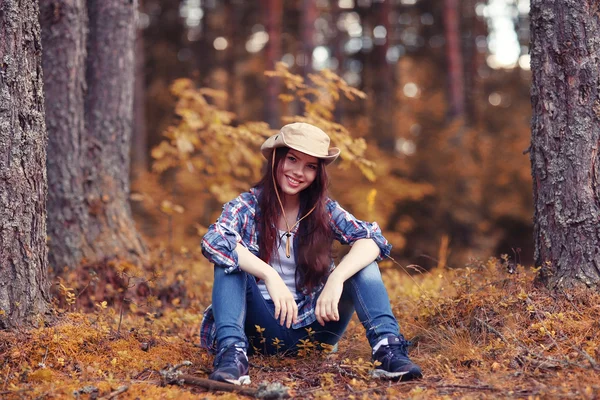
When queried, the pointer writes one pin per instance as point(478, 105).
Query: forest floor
point(482, 331)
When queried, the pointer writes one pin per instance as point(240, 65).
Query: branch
point(114, 394)
point(468, 387)
point(214, 385)
point(264, 391)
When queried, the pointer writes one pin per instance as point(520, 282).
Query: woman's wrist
point(337, 275)
point(269, 274)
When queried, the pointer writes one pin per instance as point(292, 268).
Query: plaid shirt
point(237, 225)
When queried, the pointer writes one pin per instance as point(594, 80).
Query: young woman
point(271, 248)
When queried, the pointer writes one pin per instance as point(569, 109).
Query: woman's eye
point(313, 167)
point(291, 158)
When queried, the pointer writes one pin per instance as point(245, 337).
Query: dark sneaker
point(231, 366)
point(394, 360)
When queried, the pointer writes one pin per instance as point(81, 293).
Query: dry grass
point(478, 332)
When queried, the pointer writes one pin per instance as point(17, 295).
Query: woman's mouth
point(292, 182)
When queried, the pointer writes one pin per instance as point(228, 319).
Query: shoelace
point(396, 350)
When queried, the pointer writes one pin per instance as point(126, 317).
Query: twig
point(343, 372)
point(408, 383)
point(122, 308)
point(7, 392)
point(214, 385)
point(114, 394)
point(469, 387)
point(589, 358)
point(541, 362)
point(265, 390)
point(493, 330)
point(45, 355)
point(262, 367)
point(6, 379)
point(568, 297)
point(83, 290)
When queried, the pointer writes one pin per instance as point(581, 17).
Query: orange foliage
point(208, 158)
point(479, 331)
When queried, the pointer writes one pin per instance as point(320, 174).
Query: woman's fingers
point(326, 310)
point(295, 319)
point(322, 316)
point(329, 310)
point(318, 314)
point(283, 314)
point(291, 313)
point(277, 304)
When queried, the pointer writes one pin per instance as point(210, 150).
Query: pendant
point(288, 252)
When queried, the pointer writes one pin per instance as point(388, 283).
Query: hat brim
point(278, 140)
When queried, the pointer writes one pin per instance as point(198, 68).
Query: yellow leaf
point(41, 375)
point(184, 146)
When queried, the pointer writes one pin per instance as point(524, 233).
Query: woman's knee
point(369, 273)
point(230, 282)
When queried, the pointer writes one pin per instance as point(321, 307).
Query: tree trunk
point(473, 26)
point(383, 82)
point(64, 27)
point(23, 186)
point(564, 144)
point(89, 88)
point(108, 121)
point(309, 16)
point(338, 54)
point(456, 86)
point(273, 10)
point(234, 38)
point(139, 142)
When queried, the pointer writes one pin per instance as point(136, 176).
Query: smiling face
point(297, 172)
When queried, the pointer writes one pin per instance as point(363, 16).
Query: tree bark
point(456, 86)
point(473, 26)
point(273, 10)
point(338, 54)
point(565, 97)
point(235, 39)
point(139, 142)
point(108, 121)
point(88, 56)
point(309, 16)
point(383, 82)
point(23, 187)
point(64, 26)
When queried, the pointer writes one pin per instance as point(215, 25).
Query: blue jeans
point(239, 306)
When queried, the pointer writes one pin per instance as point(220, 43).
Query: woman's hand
point(286, 309)
point(327, 304)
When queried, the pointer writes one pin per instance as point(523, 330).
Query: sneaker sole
point(242, 380)
point(381, 374)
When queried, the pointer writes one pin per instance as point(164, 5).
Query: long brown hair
point(314, 236)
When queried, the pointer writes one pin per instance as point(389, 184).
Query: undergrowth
point(482, 331)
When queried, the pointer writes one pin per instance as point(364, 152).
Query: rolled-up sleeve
point(219, 243)
point(347, 229)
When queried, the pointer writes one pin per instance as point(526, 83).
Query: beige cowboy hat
point(303, 137)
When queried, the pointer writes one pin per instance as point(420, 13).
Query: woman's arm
point(347, 229)
point(362, 253)
point(286, 309)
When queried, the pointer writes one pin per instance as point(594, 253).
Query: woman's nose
point(297, 171)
